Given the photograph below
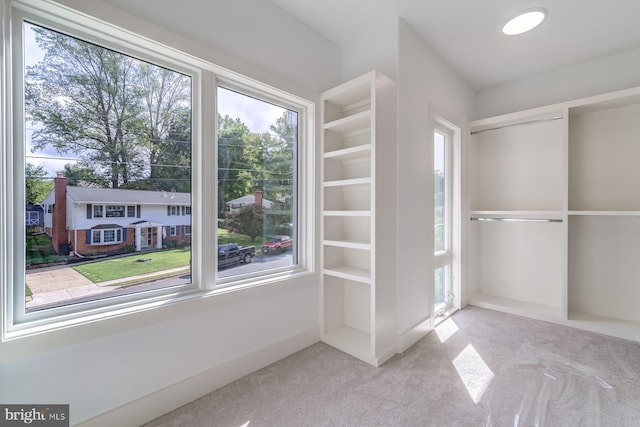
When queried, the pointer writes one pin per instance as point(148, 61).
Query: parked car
point(277, 244)
point(231, 253)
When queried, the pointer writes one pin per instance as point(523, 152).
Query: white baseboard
point(411, 336)
point(153, 405)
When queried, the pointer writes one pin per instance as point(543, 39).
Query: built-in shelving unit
point(604, 214)
point(555, 213)
point(358, 129)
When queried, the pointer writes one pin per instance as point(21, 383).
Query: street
point(259, 263)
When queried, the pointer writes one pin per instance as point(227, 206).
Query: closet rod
point(530, 122)
point(515, 219)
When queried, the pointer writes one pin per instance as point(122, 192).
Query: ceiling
point(467, 33)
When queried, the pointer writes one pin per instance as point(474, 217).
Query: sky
point(256, 114)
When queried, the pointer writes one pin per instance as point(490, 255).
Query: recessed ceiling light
point(524, 21)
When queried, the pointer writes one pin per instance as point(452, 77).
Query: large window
point(442, 177)
point(257, 170)
point(103, 126)
point(109, 133)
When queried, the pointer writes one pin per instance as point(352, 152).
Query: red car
point(277, 244)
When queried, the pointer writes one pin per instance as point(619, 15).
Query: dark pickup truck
point(231, 253)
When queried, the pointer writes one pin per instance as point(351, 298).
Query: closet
point(554, 211)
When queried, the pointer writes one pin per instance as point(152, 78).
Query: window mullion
point(204, 211)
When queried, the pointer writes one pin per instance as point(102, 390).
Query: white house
point(98, 220)
point(249, 199)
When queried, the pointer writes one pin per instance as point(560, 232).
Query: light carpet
point(478, 368)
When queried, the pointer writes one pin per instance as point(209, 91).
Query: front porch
point(148, 234)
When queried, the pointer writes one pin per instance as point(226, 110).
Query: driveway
point(54, 278)
point(55, 284)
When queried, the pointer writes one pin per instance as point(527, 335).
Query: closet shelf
point(347, 213)
point(604, 213)
point(347, 182)
point(350, 244)
point(349, 273)
point(349, 153)
point(353, 123)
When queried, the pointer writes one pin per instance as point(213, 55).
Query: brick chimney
point(258, 199)
point(59, 215)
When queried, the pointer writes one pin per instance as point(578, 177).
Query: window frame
point(205, 78)
point(98, 211)
point(302, 164)
point(117, 232)
point(449, 259)
point(113, 209)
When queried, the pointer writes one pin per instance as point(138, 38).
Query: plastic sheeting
point(541, 388)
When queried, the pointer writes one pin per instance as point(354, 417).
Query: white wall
point(377, 50)
point(128, 369)
point(611, 73)
point(427, 87)
point(251, 37)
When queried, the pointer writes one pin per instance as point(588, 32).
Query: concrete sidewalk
point(63, 283)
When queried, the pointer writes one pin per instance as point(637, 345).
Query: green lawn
point(127, 266)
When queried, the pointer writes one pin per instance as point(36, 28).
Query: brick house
point(97, 220)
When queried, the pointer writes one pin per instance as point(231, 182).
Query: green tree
point(281, 157)
point(83, 96)
point(82, 175)
point(37, 186)
point(248, 220)
point(232, 134)
point(166, 114)
point(130, 120)
point(171, 167)
point(268, 160)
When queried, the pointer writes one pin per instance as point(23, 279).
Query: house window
point(106, 236)
point(257, 168)
point(124, 165)
point(115, 211)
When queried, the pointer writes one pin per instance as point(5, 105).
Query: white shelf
point(347, 182)
point(347, 213)
point(350, 244)
point(542, 214)
point(354, 123)
point(604, 213)
point(349, 153)
point(349, 273)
